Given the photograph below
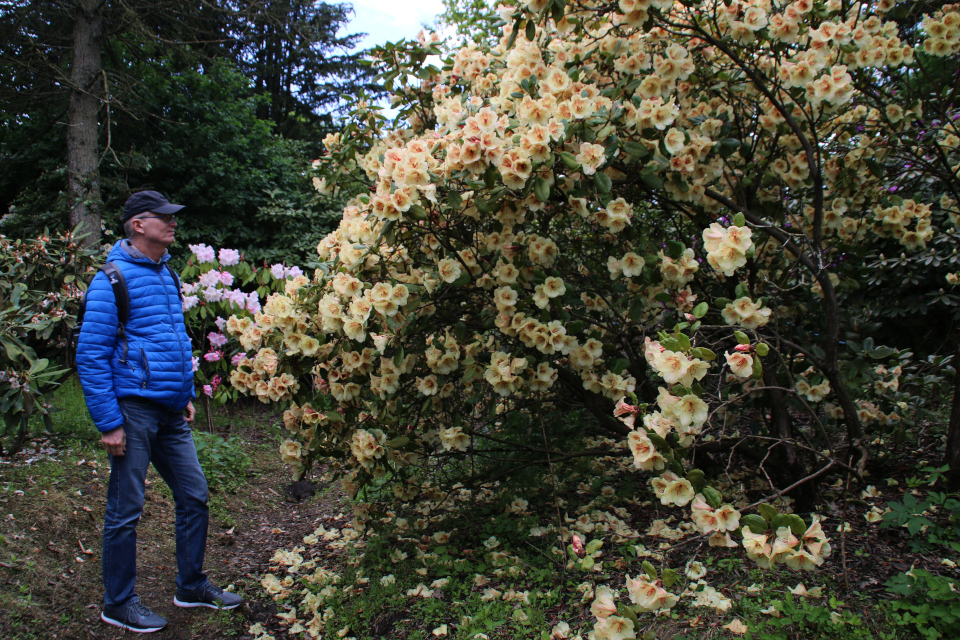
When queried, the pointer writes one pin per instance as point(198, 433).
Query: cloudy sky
point(391, 20)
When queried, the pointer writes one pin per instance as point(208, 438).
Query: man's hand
point(115, 442)
point(191, 412)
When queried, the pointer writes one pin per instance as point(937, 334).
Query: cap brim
point(168, 208)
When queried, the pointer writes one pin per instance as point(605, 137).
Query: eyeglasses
point(166, 218)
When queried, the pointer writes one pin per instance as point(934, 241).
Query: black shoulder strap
point(115, 276)
point(176, 279)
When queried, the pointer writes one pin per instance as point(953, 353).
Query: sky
point(391, 20)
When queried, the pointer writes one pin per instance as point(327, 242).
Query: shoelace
point(140, 608)
point(212, 592)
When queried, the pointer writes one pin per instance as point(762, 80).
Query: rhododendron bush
point(645, 210)
point(217, 285)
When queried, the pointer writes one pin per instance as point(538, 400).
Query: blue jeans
point(162, 437)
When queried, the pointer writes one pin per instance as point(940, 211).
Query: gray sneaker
point(207, 596)
point(133, 616)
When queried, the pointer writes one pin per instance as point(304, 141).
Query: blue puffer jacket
point(158, 365)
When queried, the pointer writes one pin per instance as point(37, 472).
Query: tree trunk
point(952, 454)
point(83, 174)
point(787, 466)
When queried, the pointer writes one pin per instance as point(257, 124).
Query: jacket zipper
point(173, 326)
point(145, 366)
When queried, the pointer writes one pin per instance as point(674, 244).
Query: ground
point(52, 498)
point(51, 514)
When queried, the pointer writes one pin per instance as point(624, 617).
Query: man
point(138, 382)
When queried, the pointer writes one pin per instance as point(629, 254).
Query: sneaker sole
point(191, 605)
point(123, 625)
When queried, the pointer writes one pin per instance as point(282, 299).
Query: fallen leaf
point(736, 627)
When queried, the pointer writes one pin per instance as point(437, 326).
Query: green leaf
point(882, 352)
point(741, 337)
point(531, 31)
point(334, 416)
point(39, 365)
point(662, 445)
point(739, 220)
point(619, 365)
point(569, 160)
point(700, 310)
point(602, 182)
point(669, 577)
point(629, 614)
point(713, 497)
point(675, 249)
point(541, 189)
point(763, 349)
point(593, 546)
point(704, 354)
point(649, 569)
point(768, 512)
point(587, 563)
point(757, 369)
point(652, 180)
point(636, 309)
point(796, 524)
point(398, 442)
point(753, 522)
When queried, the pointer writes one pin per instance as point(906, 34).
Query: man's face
point(157, 228)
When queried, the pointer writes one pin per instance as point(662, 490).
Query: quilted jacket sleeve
point(95, 352)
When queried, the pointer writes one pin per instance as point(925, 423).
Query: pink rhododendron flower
point(212, 294)
point(207, 391)
point(235, 360)
point(229, 257)
point(277, 271)
point(196, 363)
point(220, 322)
point(253, 302)
point(216, 339)
point(226, 278)
point(209, 279)
point(203, 252)
point(213, 356)
point(293, 272)
point(189, 302)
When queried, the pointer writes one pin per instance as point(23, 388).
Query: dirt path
point(50, 583)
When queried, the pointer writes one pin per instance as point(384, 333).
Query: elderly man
point(137, 378)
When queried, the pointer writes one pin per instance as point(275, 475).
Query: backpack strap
point(176, 279)
point(115, 276)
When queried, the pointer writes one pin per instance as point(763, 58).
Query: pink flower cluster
point(203, 252)
point(280, 271)
point(210, 389)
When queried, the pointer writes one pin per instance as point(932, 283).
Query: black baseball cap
point(144, 201)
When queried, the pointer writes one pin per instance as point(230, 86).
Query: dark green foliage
point(927, 602)
point(219, 105)
point(224, 461)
